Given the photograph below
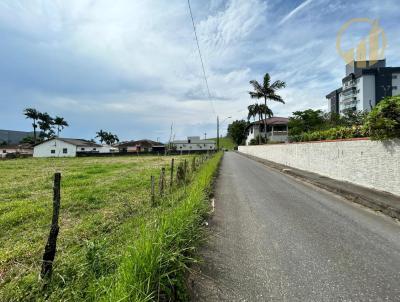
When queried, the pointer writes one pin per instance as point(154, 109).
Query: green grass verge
point(113, 245)
point(226, 143)
point(154, 266)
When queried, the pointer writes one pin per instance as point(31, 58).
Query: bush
point(260, 139)
point(330, 134)
point(383, 122)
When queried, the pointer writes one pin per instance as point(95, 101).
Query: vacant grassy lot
point(105, 213)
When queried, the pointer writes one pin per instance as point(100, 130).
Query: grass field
point(112, 244)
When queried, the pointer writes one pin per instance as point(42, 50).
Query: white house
point(21, 149)
point(194, 143)
point(277, 130)
point(67, 147)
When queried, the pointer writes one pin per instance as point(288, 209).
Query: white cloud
point(295, 11)
point(133, 67)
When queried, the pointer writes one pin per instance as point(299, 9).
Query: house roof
point(79, 142)
point(273, 121)
point(74, 141)
point(142, 142)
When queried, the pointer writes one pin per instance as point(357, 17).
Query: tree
point(111, 138)
point(383, 122)
point(267, 91)
point(101, 135)
point(60, 123)
point(259, 110)
point(33, 114)
point(107, 137)
point(353, 117)
point(27, 140)
point(253, 112)
point(304, 121)
point(237, 131)
point(265, 111)
point(46, 123)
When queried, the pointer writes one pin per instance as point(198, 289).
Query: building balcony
point(347, 98)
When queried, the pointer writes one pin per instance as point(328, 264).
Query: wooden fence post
point(51, 245)
point(184, 170)
point(194, 164)
point(161, 182)
point(171, 181)
point(152, 191)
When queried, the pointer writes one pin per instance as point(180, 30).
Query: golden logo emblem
point(376, 50)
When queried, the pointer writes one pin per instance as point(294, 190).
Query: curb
point(384, 202)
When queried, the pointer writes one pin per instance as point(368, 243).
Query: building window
point(53, 151)
point(180, 147)
point(65, 150)
point(394, 87)
point(394, 76)
point(94, 149)
point(82, 149)
point(4, 151)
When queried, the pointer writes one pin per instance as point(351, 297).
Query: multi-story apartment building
point(365, 84)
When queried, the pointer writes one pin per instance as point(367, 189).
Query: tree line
point(47, 124)
point(51, 127)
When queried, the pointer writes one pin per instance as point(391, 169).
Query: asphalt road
point(274, 238)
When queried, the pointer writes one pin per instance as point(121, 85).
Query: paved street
point(276, 239)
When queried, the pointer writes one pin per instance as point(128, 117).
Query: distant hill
point(13, 137)
point(225, 143)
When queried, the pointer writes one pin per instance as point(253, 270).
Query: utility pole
point(217, 133)
point(205, 135)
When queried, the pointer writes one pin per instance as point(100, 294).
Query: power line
point(201, 58)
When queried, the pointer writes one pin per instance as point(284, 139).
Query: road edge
point(383, 202)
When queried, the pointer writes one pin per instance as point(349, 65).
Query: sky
point(132, 67)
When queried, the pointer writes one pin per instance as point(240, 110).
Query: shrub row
point(330, 134)
point(382, 123)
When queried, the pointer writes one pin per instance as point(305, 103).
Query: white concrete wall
point(367, 163)
point(44, 149)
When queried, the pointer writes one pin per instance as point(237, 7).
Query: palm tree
point(33, 114)
point(60, 123)
point(267, 91)
point(265, 110)
point(111, 139)
point(46, 123)
point(252, 112)
point(101, 135)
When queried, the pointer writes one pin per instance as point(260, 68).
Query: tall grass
point(113, 246)
point(154, 266)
